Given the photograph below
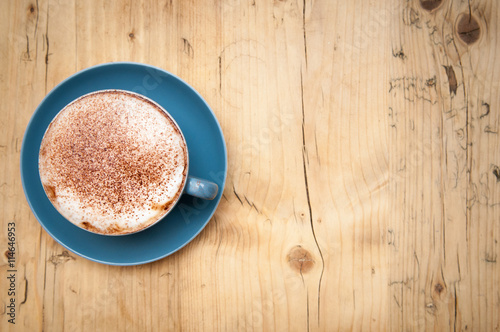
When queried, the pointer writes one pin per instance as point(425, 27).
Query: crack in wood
point(397, 302)
point(47, 50)
point(237, 196)
point(308, 194)
point(304, 29)
point(25, 292)
point(307, 304)
point(37, 16)
point(220, 237)
point(459, 269)
point(220, 75)
point(294, 212)
point(187, 48)
point(252, 205)
point(316, 146)
point(28, 48)
point(456, 303)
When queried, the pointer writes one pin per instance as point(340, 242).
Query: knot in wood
point(430, 5)
point(468, 29)
point(438, 288)
point(300, 259)
point(8, 254)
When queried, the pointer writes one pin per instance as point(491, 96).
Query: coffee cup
point(114, 162)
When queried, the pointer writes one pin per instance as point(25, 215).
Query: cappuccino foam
point(113, 162)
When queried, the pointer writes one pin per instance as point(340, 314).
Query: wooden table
point(363, 190)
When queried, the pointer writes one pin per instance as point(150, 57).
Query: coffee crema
point(113, 162)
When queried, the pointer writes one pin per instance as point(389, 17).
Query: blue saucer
point(207, 160)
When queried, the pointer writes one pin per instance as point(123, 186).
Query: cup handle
point(201, 188)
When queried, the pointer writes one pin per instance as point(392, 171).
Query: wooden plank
point(363, 184)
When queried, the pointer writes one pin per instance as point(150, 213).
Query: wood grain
point(363, 188)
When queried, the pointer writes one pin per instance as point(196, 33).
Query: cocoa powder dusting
point(98, 150)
